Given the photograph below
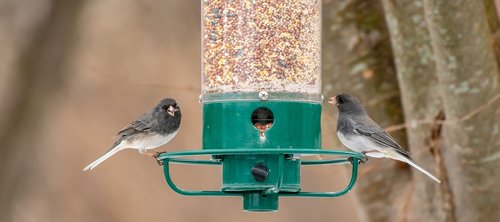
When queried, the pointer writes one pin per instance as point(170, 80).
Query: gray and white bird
point(151, 130)
point(360, 133)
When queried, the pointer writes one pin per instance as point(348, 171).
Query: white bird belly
point(360, 144)
point(148, 141)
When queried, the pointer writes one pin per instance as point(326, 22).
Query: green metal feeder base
point(260, 125)
point(267, 198)
point(256, 201)
point(258, 144)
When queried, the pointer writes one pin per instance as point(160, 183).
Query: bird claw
point(156, 155)
point(362, 160)
point(351, 160)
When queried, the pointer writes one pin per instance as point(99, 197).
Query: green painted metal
point(273, 152)
point(256, 201)
point(237, 173)
point(228, 125)
point(254, 150)
point(188, 157)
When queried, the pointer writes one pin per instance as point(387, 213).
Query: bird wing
point(372, 130)
point(142, 124)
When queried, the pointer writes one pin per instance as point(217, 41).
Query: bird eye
point(164, 107)
point(340, 100)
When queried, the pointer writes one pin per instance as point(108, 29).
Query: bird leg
point(155, 155)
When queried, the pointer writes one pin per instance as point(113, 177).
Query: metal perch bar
point(181, 158)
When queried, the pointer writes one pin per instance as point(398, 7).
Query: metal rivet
point(263, 95)
point(199, 98)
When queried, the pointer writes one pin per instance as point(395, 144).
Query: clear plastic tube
point(251, 46)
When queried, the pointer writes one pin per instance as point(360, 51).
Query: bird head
point(346, 103)
point(169, 107)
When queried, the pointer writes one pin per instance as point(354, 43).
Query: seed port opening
point(262, 118)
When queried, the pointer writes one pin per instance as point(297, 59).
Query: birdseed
point(256, 45)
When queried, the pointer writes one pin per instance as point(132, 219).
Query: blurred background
point(72, 73)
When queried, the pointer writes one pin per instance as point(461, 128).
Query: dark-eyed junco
point(360, 133)
point(151, 130)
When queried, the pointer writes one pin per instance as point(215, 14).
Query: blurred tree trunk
point(464, 151)
point(41, 72)
point(494, 24)
point(421, 101)
point(468, 76)
point(357, 59)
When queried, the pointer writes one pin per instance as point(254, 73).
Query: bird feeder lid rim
point(261, 96)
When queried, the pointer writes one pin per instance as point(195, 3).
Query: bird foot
point(362, 160)
point(155, 155)
point(351, 160)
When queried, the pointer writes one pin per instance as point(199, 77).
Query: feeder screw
point(260, 172)
point(263, 95)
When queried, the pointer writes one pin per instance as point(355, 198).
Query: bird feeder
point(261, 100)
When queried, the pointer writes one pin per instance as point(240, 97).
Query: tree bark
point(422, 104)
point(468, 81)
point(494, 24)
point(357, 59)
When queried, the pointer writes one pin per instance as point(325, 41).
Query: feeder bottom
point(281, 172)
point(257, 202)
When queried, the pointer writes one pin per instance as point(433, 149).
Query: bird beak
point(333, 100)
point(171, 110)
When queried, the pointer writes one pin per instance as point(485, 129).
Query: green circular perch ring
point(267, 199)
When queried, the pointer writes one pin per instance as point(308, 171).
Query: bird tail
point(105, 156)
point(413, 164)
